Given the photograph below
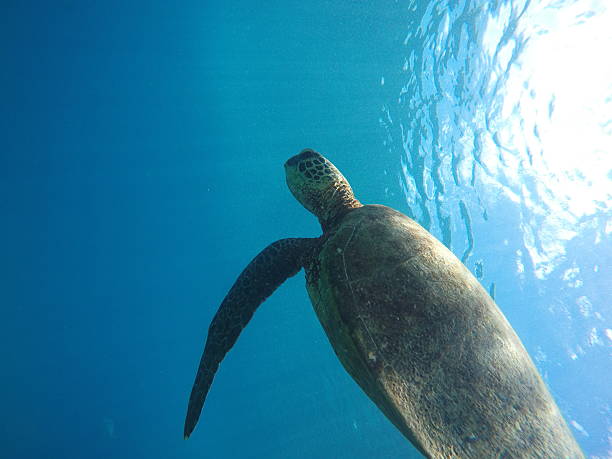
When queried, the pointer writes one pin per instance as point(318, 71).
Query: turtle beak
point(304, 154)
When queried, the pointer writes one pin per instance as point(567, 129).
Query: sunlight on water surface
point(503, 127)
point(551, 124)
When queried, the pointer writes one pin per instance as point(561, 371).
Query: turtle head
point(319, 186)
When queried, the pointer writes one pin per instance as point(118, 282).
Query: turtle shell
point(428, 345)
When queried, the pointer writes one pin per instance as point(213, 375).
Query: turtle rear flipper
point(264, 274)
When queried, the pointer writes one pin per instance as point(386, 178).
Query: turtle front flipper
point(264, 274)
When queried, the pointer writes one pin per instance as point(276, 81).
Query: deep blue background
point(141, 153)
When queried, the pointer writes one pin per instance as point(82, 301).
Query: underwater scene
point(142, 155)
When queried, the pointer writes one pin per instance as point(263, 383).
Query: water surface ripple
point(503, 126)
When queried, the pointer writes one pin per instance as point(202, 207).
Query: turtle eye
point(302, 167)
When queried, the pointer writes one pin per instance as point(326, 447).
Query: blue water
point(141, 155)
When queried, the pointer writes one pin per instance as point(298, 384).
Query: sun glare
point(554, 124)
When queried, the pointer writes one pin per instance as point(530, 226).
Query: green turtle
point(409, 323)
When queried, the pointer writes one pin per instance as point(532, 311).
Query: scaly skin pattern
point(269, 269)
point(428, 345)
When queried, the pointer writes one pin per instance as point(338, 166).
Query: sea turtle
point(409, 323)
